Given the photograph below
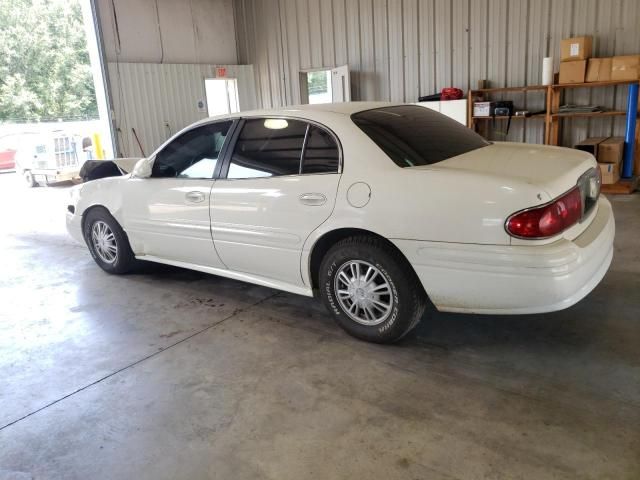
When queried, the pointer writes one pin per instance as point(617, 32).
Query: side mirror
point(143, 168)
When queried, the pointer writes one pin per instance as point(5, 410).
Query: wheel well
point(329, 239)
point(87, 210)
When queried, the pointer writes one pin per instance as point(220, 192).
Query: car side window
point(193, 154)
point(321, 154)
point(268, 147)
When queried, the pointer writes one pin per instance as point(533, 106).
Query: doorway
point(319, 86)
point(222, 96)
point(325, 85)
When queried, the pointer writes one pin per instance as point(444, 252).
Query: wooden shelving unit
point(606, 113)
point(553, 117)
point(554, 100)
point(485, 92)
point(502, 117)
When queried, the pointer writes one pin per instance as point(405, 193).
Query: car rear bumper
point(495, 279)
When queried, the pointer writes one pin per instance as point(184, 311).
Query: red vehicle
point(7, 159)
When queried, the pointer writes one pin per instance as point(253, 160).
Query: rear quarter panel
point(433, 204)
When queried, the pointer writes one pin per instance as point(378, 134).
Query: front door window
point(194, 154)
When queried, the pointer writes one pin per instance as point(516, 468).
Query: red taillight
point(548, 220)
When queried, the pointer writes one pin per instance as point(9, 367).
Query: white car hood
point(552, 169)
point(126, 164)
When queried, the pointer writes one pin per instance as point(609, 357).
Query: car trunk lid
point(553, 169)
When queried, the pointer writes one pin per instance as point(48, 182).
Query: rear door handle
point(313, 199)
point(194, 197)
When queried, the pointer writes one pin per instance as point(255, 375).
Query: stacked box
point(576, 48)
point(574, 53)
point(610, 150)
point(626, 67)
point(590, 145)
point(599, 69)
point(608, 153)
point(573, 72)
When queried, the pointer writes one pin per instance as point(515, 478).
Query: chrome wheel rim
point(104, 242)
point(363, 292)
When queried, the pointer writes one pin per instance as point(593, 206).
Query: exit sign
point(221, 72)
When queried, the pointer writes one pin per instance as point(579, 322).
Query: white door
point(340, 84)
point(222, 96)
point(274, 196)
point(167, 215)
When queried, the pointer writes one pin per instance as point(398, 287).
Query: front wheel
point(371, 290)
point(107, 242)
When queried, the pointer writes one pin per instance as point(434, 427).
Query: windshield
point(412, 136)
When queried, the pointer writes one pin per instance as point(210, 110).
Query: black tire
point(29, 179)
point(407, 299)
point(124, 260)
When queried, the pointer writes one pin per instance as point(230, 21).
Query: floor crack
point(139, 361)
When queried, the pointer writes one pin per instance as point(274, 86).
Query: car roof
point(344, 108)
point(308, 111)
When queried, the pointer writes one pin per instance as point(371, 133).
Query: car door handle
point(313, 199)
point(194, 197)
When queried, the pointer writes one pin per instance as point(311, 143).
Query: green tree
point(317, 82)
point(45, 71)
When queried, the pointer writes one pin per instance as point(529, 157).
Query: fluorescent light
point(275, 123)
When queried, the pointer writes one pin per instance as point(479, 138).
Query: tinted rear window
point(411, 135)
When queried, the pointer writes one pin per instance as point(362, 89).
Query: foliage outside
point(45, 73)
point(317, 82)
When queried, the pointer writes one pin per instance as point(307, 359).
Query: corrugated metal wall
point(400, 49)
point(161, 99)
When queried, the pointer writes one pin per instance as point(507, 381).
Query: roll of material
point(547, 70)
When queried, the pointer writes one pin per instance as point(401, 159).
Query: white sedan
point(384, 210)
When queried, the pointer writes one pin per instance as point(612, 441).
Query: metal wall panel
point(157, 100)
point(400, 49)
point(169, 31)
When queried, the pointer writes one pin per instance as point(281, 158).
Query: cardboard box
point(599, 69)
point(576, 48)
point(482, 109)
point(626, 67)
point(610, 172)
point(590, 145)
point(573, 72)
point(610, 150)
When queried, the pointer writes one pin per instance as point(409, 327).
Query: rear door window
point(412, 136)
point(321, 154)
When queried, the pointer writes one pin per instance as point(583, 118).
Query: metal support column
point(630, 131)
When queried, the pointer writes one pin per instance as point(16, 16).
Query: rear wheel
point(371, 289)
point(29, 179)
point(107, 242)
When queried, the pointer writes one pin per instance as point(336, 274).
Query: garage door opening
point(222, 96)
point(53, 103)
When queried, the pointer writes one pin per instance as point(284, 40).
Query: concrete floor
point(177, 374)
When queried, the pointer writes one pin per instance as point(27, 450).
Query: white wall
point(168, 31)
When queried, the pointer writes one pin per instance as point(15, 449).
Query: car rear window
point(412, 136)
